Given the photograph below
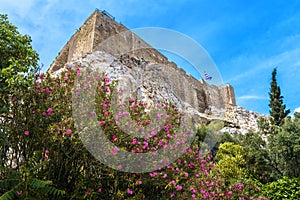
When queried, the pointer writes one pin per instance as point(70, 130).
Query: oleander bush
point(42, 126)
point(65, 136)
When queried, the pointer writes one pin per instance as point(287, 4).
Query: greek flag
point(207, 77)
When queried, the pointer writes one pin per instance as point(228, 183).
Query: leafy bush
point(285, 188)
point(230, 161)
point(44, 152)
point(48, 128)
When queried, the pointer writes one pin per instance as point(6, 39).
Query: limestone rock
point(104, 44)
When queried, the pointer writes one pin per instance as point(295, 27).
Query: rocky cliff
point(158, 78)
point(104, 44)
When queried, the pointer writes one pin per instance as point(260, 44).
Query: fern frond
point(9, 195)
point(45, 187)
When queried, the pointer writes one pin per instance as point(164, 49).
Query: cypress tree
point(277, 108)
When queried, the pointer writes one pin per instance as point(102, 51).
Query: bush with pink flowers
point(43, 124)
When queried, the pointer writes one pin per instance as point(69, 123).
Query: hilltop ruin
point(94, 43)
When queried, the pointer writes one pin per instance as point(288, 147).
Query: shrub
point(285, 188)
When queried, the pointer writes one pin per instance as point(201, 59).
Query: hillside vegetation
point(44, 147)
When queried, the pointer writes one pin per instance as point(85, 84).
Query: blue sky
point(246, 39)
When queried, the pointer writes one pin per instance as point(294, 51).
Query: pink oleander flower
point(106, 80)
point(44, 114)
point(102, 123)
point(46, 151)
point(69, 131)
point(129, 192)
point(15, 99)
point(114, 138)
point(160, 143)
point(41, 76)
point(100, 190)
point(165, 176)
point(115, 151)
point(140, 182)
point(26, 132)
point(88, 192)
point(47, 90)
point(145, 145)
point(19, 192)
point(172, 195)
point(193, 190)
point(179, 187)
point(49, 110)
point(134, 141)
point(193, 196)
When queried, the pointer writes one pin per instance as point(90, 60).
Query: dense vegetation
point(43, 154)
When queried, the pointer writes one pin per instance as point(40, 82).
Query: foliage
point(24, 183)
point(273, 152)
point(18, 62)
point(43, 153)
point(258, 161)
point(48, 128)
point(208, 137)
point(230, 161)
point(284, 188)
point(277, 112)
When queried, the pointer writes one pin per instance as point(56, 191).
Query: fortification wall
point(100, 32)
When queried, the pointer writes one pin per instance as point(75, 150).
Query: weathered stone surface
point(242, 120)
point(157, 77)
point(154, 83)
point(101, 33)
point(109, 46)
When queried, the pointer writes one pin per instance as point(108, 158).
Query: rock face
point(243, 120)
point(104, 44)
point(109, 45)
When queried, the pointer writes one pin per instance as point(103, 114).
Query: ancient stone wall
point(101, 33)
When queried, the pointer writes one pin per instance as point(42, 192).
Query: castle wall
point(100, 32)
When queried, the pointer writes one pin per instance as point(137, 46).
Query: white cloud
point(250, 97)
point(297, 110)
point(285, 59)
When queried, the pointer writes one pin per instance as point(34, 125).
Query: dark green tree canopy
point(277, 109)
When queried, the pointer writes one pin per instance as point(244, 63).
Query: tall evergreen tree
point(277, 108)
